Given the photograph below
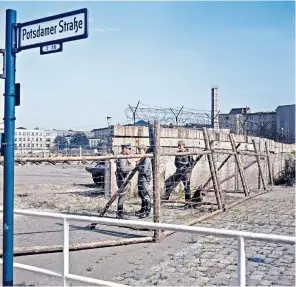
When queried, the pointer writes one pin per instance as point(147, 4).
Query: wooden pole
point(239, 165)
point(216, 174)
point(173, 186)
point(261, 175)
point(233, 175)
point(218, 211)
point(20, 251)
point(219, 168)
point(212, 169)
point(269, 165)
point(115, 195)
point(156, 178)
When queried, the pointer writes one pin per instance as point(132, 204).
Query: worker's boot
point(187, 198)
point(197, 196)
point(139, 212)
point(146, 212)
point(120, 213)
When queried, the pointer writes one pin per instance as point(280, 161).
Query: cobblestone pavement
point(211, 261)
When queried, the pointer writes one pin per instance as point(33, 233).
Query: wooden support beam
point(115, 195)
point(216, 175)
point(156, 179)
point(21, 251)
point(269, 165)
point(219, 168)
point(218, 211)
point(261, 175)
point(239, 165)
point(212, 168)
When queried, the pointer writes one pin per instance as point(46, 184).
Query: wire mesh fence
point(178, 176)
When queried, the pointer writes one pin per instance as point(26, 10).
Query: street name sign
point(51, 30)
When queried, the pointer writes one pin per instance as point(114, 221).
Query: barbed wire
point(168, 116)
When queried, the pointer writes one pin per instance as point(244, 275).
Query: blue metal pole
point(8, 145)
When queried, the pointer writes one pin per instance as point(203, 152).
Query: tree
point(61, 142)
point(79, 140)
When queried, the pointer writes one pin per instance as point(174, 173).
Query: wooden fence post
point(212, 168)
point(239, 165)
point(156, 178)
point(216, 173)
point(261, 175)
point(270, 173)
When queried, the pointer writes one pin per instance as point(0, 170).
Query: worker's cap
point(126, 146)
point(141, 146)
point(181, 142)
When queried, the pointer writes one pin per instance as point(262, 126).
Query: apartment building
point(277, 125)
point(29, 139)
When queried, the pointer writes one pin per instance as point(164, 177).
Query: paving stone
point(216, 258)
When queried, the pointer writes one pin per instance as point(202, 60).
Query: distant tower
point(214, 115)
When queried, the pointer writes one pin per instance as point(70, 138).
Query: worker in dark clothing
point(123, 168)
point(144, 179)
point(182, 163)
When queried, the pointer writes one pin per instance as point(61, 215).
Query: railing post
point(66, 251)
point(241, 262)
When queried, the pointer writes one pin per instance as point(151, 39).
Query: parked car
point(98, 173)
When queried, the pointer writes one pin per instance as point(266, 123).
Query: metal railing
point(66, 276)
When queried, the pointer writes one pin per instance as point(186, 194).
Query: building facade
point(278, 125)
point(28, 140)
point(285, 123)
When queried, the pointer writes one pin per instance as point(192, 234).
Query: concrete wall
point(194, 140)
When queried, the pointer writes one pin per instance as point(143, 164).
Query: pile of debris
point(287, 176)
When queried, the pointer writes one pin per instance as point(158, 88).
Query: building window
point(36, 139)
point(28, 139)
point(32, 145)
point(40, 145)
point(20, 145)
point(41, 139)
point(24, 139)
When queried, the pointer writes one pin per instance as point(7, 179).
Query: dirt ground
point(69, 188)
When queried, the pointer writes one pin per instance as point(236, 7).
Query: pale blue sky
point(160, 53)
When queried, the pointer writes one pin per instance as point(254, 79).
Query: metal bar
point(35, 269)
point(8, 145)
point(93, 281)
point(66, 251)
point(162, 226)
point(241, 262)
